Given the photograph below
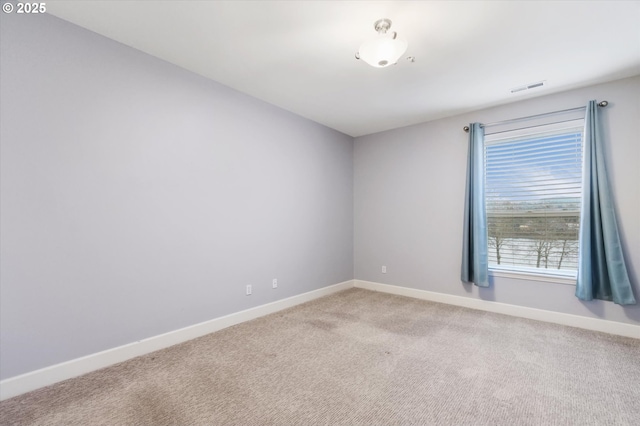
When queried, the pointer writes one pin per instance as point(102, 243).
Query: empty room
point(319, 213)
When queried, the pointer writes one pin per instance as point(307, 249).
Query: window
point(533, 180)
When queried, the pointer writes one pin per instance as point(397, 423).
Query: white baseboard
point(18, 385)
point(27, 382)
point(595, 324)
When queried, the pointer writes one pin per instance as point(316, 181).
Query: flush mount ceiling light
point(385, 49)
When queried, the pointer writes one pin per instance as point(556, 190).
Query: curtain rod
point(600, 104)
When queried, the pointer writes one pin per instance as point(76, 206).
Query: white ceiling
point(299, 55)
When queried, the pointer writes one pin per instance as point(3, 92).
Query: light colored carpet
point(361, 358)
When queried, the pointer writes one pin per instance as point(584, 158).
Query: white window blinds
point(533, 180)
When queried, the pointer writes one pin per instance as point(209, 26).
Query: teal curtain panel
point(475, 260)
point(602, 273)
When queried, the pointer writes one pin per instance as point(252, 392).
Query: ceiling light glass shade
point(383, 50)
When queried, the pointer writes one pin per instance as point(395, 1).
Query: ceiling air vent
point(528, 86)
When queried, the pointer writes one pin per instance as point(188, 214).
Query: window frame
point(566, 277)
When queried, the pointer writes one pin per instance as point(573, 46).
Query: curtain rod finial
point(466, 129)
point(603, 103)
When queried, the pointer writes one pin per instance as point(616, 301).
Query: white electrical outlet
point(248, 290)
point(384, 269)
point(274, 284)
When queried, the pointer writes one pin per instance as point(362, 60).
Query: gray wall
point(409, 188)
point(139, 198)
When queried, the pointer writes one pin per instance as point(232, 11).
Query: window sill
point(565, 279)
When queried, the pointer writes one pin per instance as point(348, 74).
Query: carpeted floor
point(360, 358)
